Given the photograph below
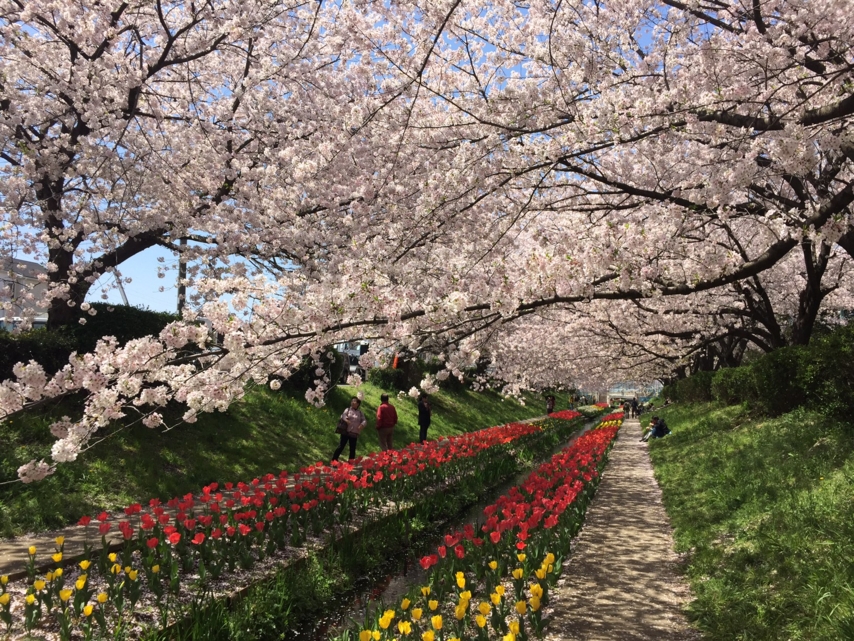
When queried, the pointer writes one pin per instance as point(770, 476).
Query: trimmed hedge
point(819, 376)
point(51, 348)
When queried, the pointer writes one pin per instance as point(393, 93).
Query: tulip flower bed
point(492, 581)
point(198, 542)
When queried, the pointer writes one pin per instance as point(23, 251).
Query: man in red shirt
point(386, 420)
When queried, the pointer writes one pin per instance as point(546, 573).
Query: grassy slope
point(765, 509)
point(266, 432)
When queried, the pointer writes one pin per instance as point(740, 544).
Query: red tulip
point(84, 520)
point(174, 538)
point(198, 539)
point(153, 542)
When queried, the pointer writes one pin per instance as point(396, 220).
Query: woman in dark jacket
point(424, 414)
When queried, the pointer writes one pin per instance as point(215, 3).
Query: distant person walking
point(550, 404)
point(386, 420)
point(355, 422)
point(425, 413)
point(635, 408)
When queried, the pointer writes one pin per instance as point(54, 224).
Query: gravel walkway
point(622, 583)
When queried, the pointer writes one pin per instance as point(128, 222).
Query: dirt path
point(621, 583)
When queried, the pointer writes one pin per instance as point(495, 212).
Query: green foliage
point(762, 509)
point(51, 348)
point(125, 322)
point(819, 376)
point(733, 385)
point(388, 379)
point(695, 388)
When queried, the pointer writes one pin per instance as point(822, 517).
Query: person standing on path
point(635, 407)
point(424, 415)
point(356, 422)
point(550, 404)
point(386, 420)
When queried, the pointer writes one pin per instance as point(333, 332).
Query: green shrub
point(733, 385)
point(825, 374)
point(388, 378)
point(51, 348)
point(697, 388)
point(775, 378)
point(125, 322)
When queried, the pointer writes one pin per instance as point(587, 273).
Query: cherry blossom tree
point(559, 181)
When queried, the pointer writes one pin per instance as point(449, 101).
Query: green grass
point(266, 432)
point(764, 509)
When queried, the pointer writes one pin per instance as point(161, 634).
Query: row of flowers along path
point(225, 528)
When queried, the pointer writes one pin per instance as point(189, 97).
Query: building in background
point(18, 280)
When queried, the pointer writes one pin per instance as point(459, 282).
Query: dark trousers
point(346, 438)
point(422, 432)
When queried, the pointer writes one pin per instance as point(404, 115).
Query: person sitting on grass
point(657, 429)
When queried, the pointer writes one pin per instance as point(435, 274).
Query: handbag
point(341, 428)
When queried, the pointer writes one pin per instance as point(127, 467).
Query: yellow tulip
point(64, 595)
point(541, 574)
point(4, 599)
point(404, 604)
point(454, 639)
point(461, 611)
point(484, 608)
point(521, 557)
point(60, 540)
point(377, 635)
point(499, 590)
point(30, 599)
point(509, 637)
point(425, 591)
point(127, 569)
point(57, 573)
point(534, 602)
point(514, 626)
point(551, 569)
point(102, 598)
point(416, 614)
point(116, 568)
point(550, 558)
point(4, 580)
point(133, 574)
point(81, 582)
point(404, 627)
point(518, 573)
point(495, 598)
point(39, 585)
point(155, 569)
point(432, 604)
point(436, 622)
point(480, 620)
point(84, 565)
point(32, 550)
point(461, 581)
point(537, 590)
point(365, 635)
point(428, 636)
point(112, 557)
point(385, 621)
point(49, 576)
point(465, 596)
point(521, 607)
point(88, 609)
point(493, 565)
